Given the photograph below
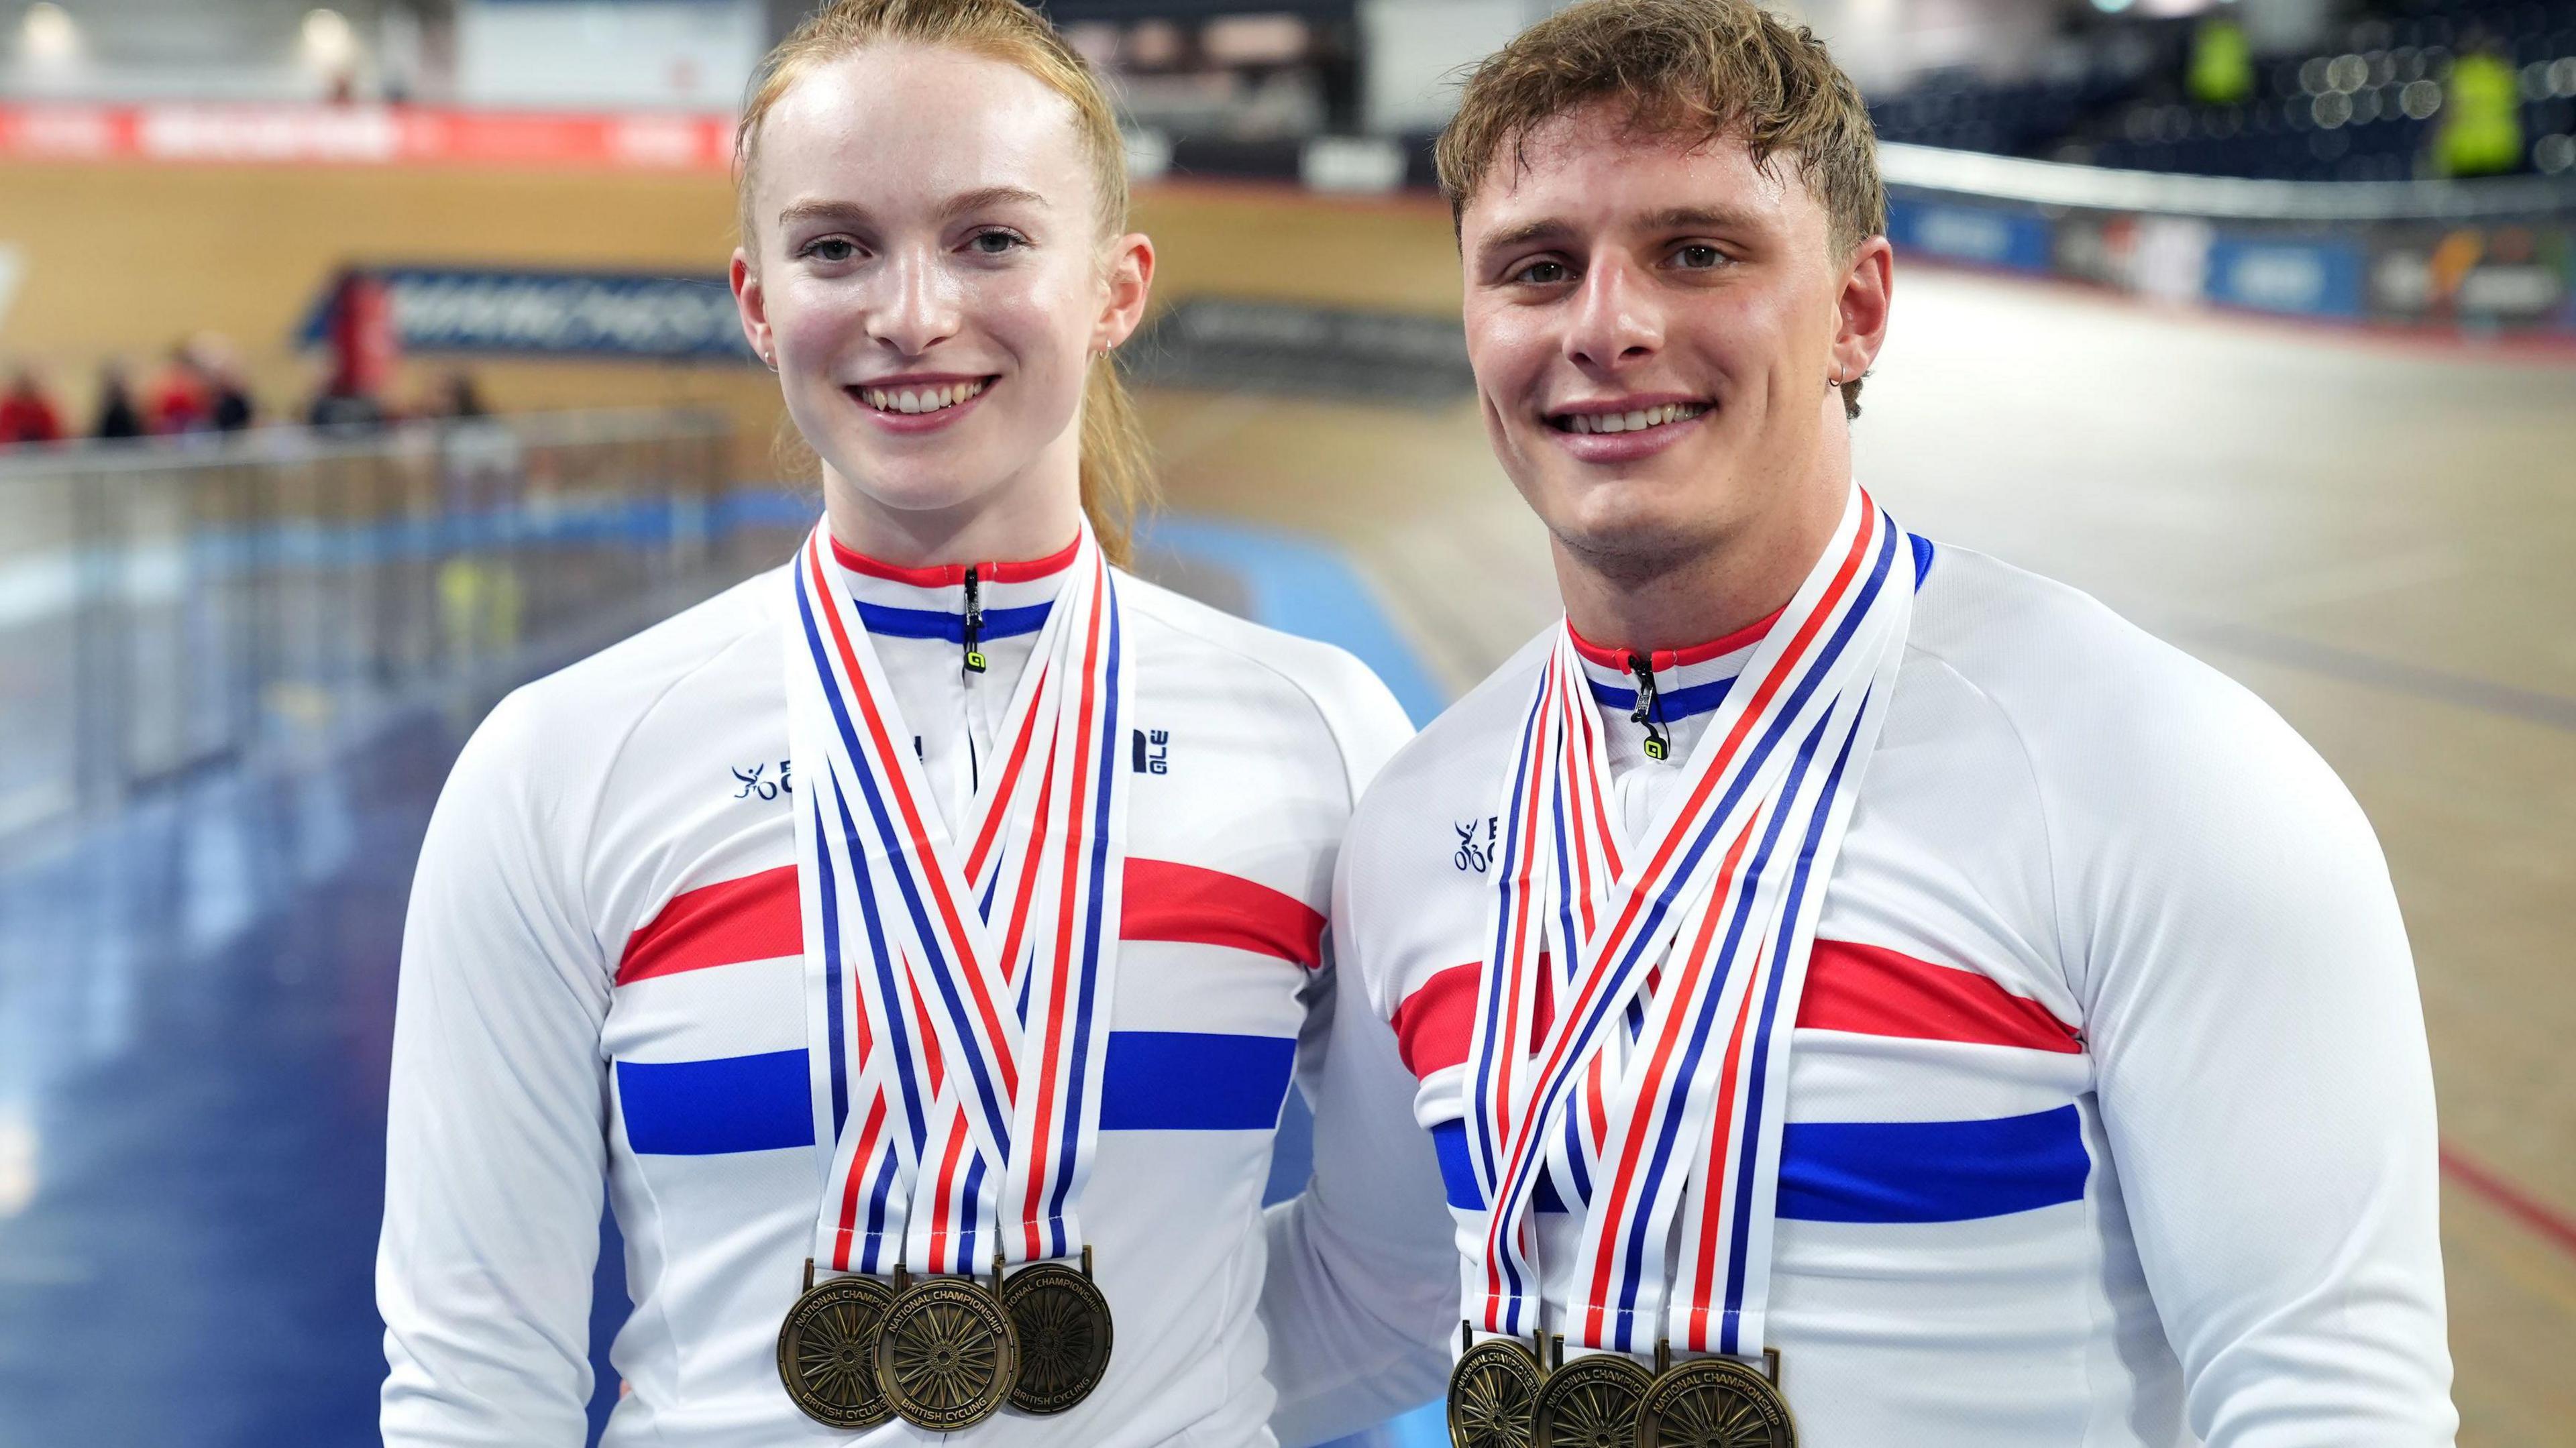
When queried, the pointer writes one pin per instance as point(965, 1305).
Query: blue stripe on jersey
point(1679, 703)
point(931, 623)
point(1700, 698)
point(697, 1108)
point(1885, 1171)
point(1185, 1081)
point(1155, 1081)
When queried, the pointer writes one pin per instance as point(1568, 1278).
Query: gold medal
point(1590, 1402)
point(1062, 1324)
point(945, 1354)
point(1716, 1403)
point(827, 1351)
point(1492, 1392)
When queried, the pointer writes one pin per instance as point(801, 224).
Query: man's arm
point(1362, 1289)
point(495, 1145)
point(2250, 1002)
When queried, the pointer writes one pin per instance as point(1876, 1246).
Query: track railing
point(173, 606)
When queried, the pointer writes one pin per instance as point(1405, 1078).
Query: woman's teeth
point(918, 399)
point(1637, 421)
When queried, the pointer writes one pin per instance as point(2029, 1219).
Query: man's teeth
point(919, 399)
point(1636, 421)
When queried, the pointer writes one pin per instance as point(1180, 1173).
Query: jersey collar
point(1012, 596)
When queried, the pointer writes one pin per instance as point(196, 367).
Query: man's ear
point(1860, 321)
point(752, 305)
point(1131, 283)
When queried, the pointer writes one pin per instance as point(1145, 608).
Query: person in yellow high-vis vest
point(2481, 132)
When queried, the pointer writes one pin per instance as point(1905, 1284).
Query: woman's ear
point(1131, 282)
point(752, 304)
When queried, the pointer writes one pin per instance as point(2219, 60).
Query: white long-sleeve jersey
point(2110, 1119)
point(602, 983)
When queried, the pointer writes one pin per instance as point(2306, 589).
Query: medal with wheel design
point(1493, 1392)
point(1062, 1323)
point(945, 1355)
point(827, 1351)
point(1590, 1402)
point(1715, 1403)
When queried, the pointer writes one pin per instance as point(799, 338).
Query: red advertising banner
point(235, 134)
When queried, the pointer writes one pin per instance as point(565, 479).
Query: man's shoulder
point(1445, 780)
point(2114, 722)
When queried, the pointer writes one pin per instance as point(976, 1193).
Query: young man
point(1906, 1003)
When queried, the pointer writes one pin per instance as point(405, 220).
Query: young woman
point(918, 940)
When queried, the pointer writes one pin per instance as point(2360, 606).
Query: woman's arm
point(495, 1146)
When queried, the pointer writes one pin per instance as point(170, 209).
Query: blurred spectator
point(228, 401)
point(117, 415)
point(2481, 132)
point(27, 414)
point(179, 400)
point(343, 406)
point(2222, 63)
point(454, 399)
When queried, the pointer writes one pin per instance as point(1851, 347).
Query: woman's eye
point(1699, 256)
point(1542, 273)
point(831, 248)
point(994, 243)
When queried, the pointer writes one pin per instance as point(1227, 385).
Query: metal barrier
point(172, 606)
point(2486, 256)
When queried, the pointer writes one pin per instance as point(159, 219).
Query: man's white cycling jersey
point(2109, 1120)
point(602, 982)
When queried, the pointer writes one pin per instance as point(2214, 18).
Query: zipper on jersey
point(1650, 708)
point(974, 622)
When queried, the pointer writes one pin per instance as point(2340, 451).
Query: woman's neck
point(1009, 523)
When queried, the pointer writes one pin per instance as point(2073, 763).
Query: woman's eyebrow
point(986, 198)
point(829, 211)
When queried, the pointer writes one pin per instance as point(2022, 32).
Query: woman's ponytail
point(1117, 463)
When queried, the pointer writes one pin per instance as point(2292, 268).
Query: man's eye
point(1542, 273)
point(1699, 256)
point(831, 248)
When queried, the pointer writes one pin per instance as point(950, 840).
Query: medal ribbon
point(1711, 862)
point(957, 1010)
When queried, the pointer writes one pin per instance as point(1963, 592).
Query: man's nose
point(1614, 319)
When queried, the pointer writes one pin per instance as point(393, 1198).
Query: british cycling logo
point(756, 785)
point(1473, 853)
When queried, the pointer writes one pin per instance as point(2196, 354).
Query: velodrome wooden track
point(2372, 534)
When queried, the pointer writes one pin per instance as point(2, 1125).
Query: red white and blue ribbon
point(1676, 968)
point(958, 980)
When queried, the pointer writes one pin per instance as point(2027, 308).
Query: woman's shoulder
point(1297, 678)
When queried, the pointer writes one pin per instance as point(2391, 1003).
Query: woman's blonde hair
point(1117, 474)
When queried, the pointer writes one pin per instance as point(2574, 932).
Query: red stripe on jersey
point(1166, 900)
point(951, 575)
point(1867, 990)
point(1435, 1025)
point(753, 918)
point(1870, 990)
point(757, 918)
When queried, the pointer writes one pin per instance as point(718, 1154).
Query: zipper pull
point(1650, 708)
point(974, 623)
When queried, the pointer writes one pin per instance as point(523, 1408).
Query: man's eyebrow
point(1687, 218)
point(1511, 238)
point(982, 199)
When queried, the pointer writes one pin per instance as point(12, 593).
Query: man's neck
point(1687, 597)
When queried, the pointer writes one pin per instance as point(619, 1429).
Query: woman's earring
point(769, 361)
